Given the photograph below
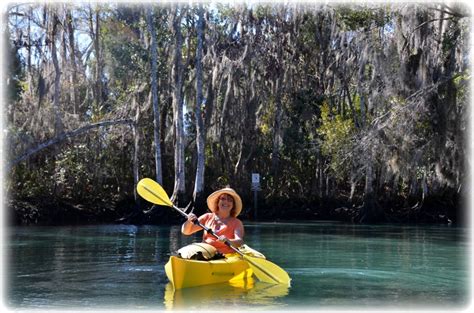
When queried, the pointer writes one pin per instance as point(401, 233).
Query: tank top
point(220, 229)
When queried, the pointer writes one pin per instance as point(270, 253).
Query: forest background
point(349, 112)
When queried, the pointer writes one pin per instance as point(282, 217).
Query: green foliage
point(462, 82)
point(337, 132)
point(71, 171)
point(126, 57)
point(27, 182)
point(450, 37)
point(15, 83)
point(267, 118)
point(358, 17)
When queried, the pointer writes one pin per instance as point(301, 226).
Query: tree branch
point(62, 137)
point(431, 21)
point(451, 11)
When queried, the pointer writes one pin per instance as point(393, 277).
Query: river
point(332, 266)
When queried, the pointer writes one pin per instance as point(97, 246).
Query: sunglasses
point(226, 198)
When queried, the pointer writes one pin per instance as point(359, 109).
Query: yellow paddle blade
point(152, 192)
point(267, 271)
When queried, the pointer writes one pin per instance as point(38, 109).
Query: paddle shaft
point(210, 231)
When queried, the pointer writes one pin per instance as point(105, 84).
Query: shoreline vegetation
point(351, 112)
point(46, 211)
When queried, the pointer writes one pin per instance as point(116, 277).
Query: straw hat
point(212, 200)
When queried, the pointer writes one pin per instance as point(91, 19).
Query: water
point(332, 265)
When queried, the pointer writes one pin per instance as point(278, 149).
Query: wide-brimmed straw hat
point(212, 200)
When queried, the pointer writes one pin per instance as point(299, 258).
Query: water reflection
point(249, 292)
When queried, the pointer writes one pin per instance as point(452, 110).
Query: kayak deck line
point(232, 274)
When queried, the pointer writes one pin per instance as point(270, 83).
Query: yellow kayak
point(184, 273)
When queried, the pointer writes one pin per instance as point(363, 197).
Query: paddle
point(264, 270)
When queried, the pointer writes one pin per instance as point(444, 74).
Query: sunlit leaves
point(336, 132)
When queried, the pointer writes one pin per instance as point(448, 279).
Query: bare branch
point(62, 137)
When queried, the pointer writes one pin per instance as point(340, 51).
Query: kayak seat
point(199, 251)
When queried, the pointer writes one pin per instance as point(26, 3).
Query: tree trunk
point(222, 124)
point(58, 124)
point(29, 55)
point(155, 98)
point(98, 67)
point(277, 130)
point(136, 149)
point(249, 130)
point(209, 108)
point(72, 56)
point(353, 180)
point(371, 211)
point(200, 131)
point(177, 76)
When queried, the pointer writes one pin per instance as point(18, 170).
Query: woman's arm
point(238, 239)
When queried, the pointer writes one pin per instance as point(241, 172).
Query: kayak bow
point(185, 273)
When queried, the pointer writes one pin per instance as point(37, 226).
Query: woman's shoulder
point(236, 221)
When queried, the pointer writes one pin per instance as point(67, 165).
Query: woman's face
point(225, 204)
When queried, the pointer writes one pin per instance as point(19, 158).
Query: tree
point(155, 98)
point(72, 59)
point(94, 28)
point(177, 76)
point(58, 124)
point(200, 131)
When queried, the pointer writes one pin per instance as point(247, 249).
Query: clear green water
point(332, 266)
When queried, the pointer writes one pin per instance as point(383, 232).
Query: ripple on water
point(410, 277)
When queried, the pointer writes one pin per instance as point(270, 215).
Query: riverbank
point(46, 211)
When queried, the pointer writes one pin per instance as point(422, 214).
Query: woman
point(225, 206)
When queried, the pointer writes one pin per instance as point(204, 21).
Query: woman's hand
point(236, 242)
point(192, 217)
point(222, 239)
point(189, 227)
